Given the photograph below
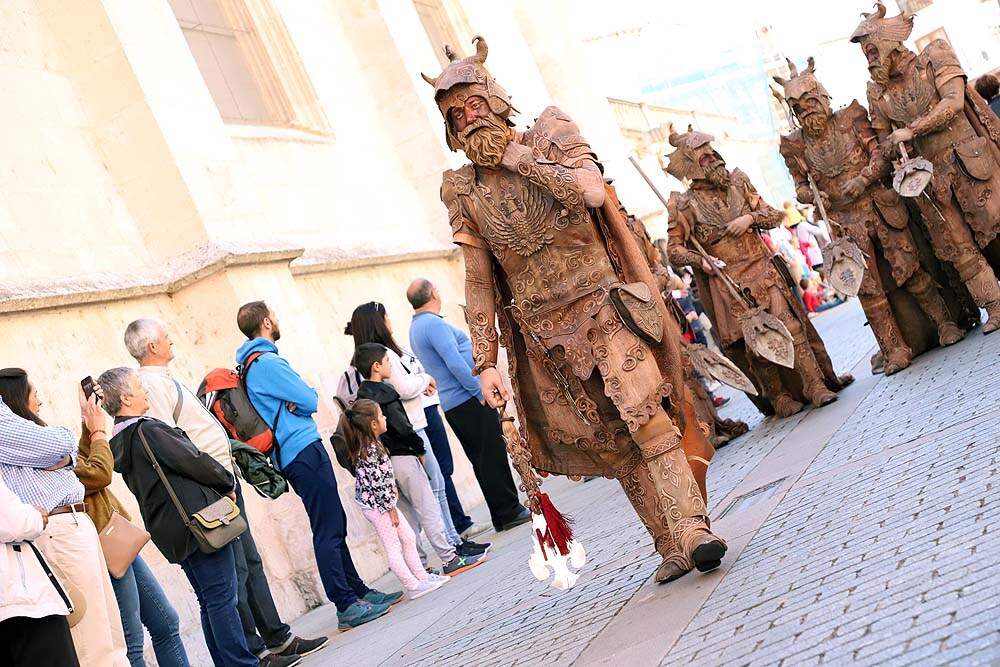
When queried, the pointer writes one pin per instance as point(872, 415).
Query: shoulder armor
point(938, 53)
point(456, 182)
point(791, 143)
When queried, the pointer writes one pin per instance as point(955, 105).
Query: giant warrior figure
point(839, 152)
point(722, 214)
point(923, 100)
point(548, 256)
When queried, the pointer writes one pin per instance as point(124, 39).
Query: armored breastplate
point(552, 256)
point(836, 157)
point(714, 210)
point(909, 98)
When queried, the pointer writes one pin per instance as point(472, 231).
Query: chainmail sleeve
point(480, 307)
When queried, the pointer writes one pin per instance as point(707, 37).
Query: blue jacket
point(271, 384)
point(446, 353)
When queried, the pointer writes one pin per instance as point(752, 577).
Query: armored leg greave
point(921, 286)
point(982, 283)
point(897, 353)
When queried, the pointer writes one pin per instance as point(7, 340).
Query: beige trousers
point(71, 546)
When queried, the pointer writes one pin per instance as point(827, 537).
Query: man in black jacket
point(405, 449)
point(198, 481)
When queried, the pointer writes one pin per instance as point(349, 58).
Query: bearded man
point(923, 100)
point(723, 212)
point(840, 152)
point(546, 250)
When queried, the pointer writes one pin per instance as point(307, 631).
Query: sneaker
point(524, 516)
point(439, 577)
point(423, 588)
point(433, 572)
point(359, 613)
point(460, 564)
point(280, 660)
point(378, 597)
point(474, 529)
point(300, 646)
point(470, 548)
point(719, 401)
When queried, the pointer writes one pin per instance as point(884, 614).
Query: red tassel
point(558, 530)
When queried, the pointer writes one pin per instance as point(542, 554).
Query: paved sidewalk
point(860, 534)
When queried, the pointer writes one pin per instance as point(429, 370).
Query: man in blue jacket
point(446, 353)
point(274, 387)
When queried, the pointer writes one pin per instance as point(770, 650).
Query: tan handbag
point(121, 542)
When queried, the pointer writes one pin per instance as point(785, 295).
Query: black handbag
point(213, 526)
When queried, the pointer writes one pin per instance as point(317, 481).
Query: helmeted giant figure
point(548, 255)
point(723, 213)
point(923, 100)
point(839, 150)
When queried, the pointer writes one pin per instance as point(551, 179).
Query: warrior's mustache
point(487, 122)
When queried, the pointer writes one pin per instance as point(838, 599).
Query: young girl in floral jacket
point(375, 492)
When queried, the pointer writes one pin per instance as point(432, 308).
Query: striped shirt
point(25, 449)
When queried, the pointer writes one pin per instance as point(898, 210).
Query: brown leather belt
point(68, 509)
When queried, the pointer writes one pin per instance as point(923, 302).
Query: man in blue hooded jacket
point(274, 387)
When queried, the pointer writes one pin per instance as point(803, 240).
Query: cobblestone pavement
point(883, 551)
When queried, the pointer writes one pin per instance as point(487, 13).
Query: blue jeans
point(213, 578)
point(141, 601)
point(442, 451)
point(436, 479)
point(310, 475)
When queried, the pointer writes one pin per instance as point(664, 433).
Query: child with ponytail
point(375, 492)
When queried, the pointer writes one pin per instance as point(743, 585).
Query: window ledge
point(241, 131)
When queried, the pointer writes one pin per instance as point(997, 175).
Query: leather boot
point(698, 542)
point(985, 291)
point(896, 352)
point(812, 376)
point(926, 294)
point(641, 491)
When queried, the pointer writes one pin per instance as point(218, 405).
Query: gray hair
point(115, 384)
point(140, 334)
point(420, 293)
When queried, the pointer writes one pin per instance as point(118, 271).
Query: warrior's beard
point(485, 141)
point(880, 72)
point(719, 176)
point(814, 124)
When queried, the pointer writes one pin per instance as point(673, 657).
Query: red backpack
point(224, 393)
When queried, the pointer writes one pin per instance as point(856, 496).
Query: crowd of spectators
point(59, 604)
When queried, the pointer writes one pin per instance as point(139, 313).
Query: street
point(861, 533)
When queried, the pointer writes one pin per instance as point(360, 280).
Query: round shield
point(912, 176)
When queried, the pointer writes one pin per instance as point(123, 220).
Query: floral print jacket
point(375, 486)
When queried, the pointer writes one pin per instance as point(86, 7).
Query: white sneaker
point(439, 577)
point(475, 529)
point(423, 588)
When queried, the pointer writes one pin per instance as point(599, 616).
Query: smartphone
point(88, 386)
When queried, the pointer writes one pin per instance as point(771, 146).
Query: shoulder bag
point(121, 542)
point(213, 526)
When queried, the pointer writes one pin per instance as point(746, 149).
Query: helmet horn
point(481, 49)
point(428, 79)
point(792, 69)
point(448, 51)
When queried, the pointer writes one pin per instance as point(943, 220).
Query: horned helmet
point(803, 92)
point(879, 36)
point(464, 78)
point(691, 147)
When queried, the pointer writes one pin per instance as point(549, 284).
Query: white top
point(25, 590)
point(194, 418)
point(412, 364)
